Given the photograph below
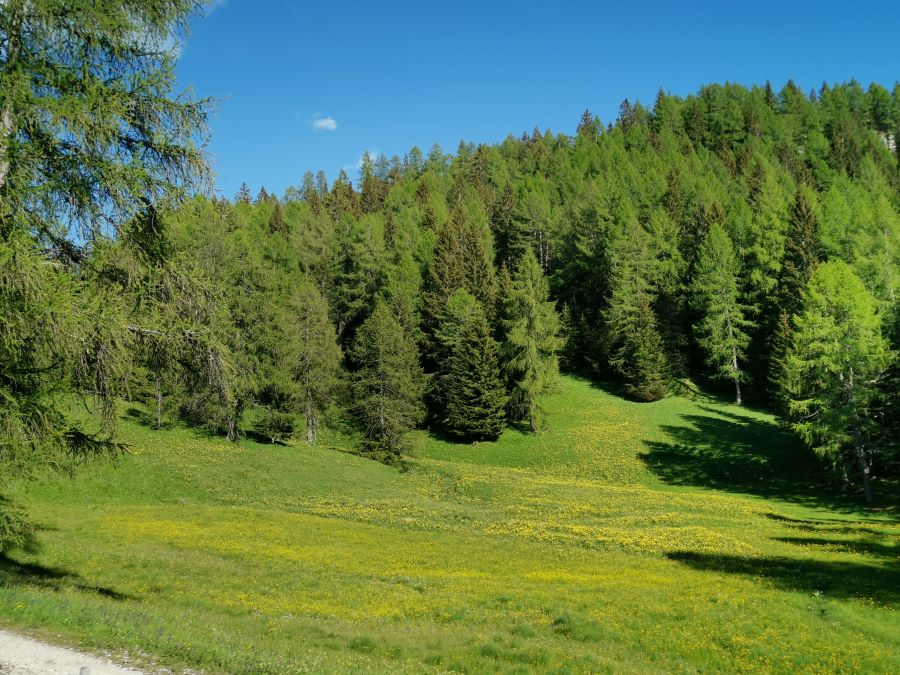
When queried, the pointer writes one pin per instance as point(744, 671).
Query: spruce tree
point(636, 349)
point(460, 260)
point(470, 390)
point(722, 329)
point(508, 236)
point(529, 353)
point(802, 252)
point(277, 223)
point(587, 126)
point(316, 355)
point(243, 194)
point(387, 385)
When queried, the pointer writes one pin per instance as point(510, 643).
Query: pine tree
point(387, 384)
point(470, 391)
point(722, 330)
point(836, 359)
point(528, 356)
point(262, 196)
point(637, 353)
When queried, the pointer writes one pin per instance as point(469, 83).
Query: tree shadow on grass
point(880, 582)
point(15, 573)
point(737, 453)
point(874, 546)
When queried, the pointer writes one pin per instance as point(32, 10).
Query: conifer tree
point(802, 252)
point(90, 134)
point(509, 238)
point(310, 194)
point(277, 223)
point(460, 261)
point(316, 355)
point(470, 391)
point(769, 95)
point(529, 353)
point(243, 194)
point(722, 330)
point(836, 359)
point(636, 349)
point(587, 126)
point(387, 384)
point(342, 201)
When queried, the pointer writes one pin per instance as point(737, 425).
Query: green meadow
point(684, 535)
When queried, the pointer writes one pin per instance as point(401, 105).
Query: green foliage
point(836, 359)
point(636, 349)
point(387, 384)
point(460, 261)
point(529, 353)
point(90, 135)
point(722, 330)
point(90, 130)
point(315, 354)
point(469, 388)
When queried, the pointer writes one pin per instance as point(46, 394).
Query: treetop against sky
point(309, 86)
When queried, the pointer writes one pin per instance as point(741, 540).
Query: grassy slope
point(675, 536)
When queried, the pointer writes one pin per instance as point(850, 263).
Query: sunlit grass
point(672, 536)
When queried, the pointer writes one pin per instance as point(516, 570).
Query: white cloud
point(324, 123)
point(214, 5)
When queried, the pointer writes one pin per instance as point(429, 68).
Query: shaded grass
point(582, 549)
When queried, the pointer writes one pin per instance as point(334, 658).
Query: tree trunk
point(865, 469)
point(737, 375)
point(6, 115)
point(233, 433)
point(311, 426)
point(864, 465)
point(158, 403)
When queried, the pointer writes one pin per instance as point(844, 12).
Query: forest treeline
point(738, 235)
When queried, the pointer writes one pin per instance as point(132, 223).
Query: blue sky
point(311, 85)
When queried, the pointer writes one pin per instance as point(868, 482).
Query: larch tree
point(722, 331)
point(90, 133)
point(837, 357)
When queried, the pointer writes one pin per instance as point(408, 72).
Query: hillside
point(680, 535)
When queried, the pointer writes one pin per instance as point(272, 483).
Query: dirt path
point(26, 656)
